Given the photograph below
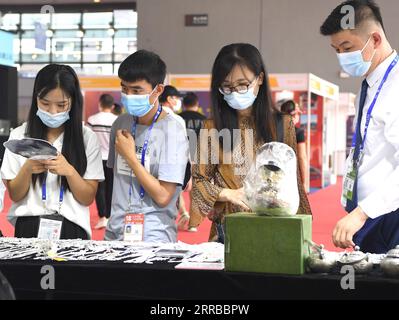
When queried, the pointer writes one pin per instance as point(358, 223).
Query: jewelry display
point(110, 251)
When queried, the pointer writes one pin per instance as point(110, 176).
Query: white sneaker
point(192, 229)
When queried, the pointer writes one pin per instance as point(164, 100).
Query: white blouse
point(32, 204)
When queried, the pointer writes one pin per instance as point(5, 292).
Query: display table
point(113, 280)
point(154, 278)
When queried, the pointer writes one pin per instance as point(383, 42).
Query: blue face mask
point(137, 105)
point(240, 101)
point(53, 120)
point(353, 63)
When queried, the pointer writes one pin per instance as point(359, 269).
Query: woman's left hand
point(59, 166)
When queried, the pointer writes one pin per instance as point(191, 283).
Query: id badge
point(349, 182)
point(123, 168)
point(50, 228)
point(352, 172)
point(134, 227)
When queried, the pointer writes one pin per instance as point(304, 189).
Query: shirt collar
point(379, 72)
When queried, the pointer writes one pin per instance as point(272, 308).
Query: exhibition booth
point(318, 100)
point(287, 260)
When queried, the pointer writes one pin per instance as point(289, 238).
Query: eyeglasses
point(241, 88)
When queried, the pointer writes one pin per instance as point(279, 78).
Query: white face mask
point(137, 105)
point(177, 107)
point(353, 63)
point(53, 120)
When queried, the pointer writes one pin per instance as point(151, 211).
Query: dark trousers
point(104, 192)
point(28, 227)
point(379, 235)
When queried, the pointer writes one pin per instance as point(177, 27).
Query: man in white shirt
point(171, 101)
point(101, 124)
point(371, 183)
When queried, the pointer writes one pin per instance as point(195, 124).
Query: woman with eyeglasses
point(244, 119)
point(51, 198)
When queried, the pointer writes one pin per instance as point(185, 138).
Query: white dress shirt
point(378, 180)
point(177, 117)
point(31, 204)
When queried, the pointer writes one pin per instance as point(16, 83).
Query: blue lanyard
point(144, 150)
point(44, 194)
point(370, 110)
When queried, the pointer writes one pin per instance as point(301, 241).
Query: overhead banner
point(40, 36)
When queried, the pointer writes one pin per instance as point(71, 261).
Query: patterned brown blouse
point(213, 171)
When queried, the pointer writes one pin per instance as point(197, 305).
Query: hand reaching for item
point(236, 197)
point(346, 228)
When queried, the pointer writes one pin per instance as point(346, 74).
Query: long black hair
point(225, 117)
point(63, 77)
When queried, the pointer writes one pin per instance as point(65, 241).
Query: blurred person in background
point(117, 109)
point(101, 124)
point(170, 101)
point(290, 107)
point(194, 121)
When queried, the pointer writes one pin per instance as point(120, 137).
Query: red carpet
point(325, 205)
point(327, 210)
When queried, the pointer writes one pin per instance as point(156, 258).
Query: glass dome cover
point(271, 186)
